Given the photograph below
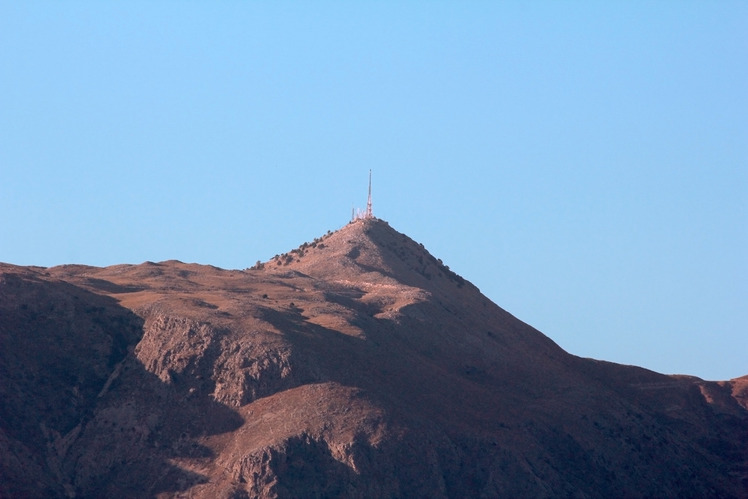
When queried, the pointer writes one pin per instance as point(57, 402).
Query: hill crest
point(365, 246)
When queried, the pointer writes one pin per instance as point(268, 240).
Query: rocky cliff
point(357, 365)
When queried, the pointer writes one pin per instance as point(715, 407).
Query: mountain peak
point(356, 365)
point(369, 249)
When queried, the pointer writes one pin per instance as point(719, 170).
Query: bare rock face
point(357, 365)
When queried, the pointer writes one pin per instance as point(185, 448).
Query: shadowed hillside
point(357, 365)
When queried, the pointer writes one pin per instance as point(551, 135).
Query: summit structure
point(369, 213)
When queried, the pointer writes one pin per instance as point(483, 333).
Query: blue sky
point(585, 164)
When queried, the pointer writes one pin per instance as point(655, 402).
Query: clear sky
point(585, 164)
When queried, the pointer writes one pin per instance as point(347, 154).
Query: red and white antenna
point(369, 213)
point(358, 214)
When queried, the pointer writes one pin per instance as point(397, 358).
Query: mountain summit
point(356, 365)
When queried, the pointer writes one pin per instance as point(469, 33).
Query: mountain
point(357, 365)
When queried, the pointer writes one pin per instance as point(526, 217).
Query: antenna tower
point(369, 213)
point(358, 214)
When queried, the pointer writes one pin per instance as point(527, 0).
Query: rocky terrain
point(357, 365)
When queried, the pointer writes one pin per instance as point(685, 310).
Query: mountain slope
point(357, 365)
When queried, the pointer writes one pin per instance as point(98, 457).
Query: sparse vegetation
point(202, 370)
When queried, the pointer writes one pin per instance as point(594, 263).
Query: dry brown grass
point(356, 365)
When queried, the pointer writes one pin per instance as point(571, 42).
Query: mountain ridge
point(357, 365)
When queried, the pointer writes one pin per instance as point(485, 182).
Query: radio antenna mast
point(369, 213)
